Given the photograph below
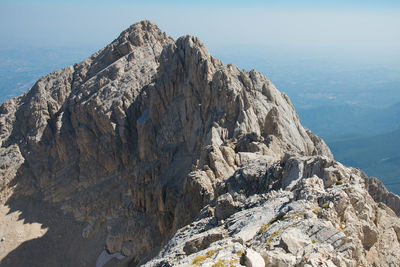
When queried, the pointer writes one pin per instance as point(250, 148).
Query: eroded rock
point(150, 133)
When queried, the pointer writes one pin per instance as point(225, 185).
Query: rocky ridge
point(162, 154)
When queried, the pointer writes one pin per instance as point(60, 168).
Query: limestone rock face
point(153, 147)
point(307, 223)
point(380, 194)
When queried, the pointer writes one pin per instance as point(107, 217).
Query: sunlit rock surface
point(153, 152)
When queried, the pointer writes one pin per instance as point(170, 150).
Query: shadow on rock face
point(61, 245)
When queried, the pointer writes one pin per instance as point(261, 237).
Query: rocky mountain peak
point(152, 146)
point(144, 31)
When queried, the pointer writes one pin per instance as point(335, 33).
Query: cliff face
point(149, 134)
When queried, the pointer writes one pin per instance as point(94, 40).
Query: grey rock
point(309, 223)
point(171, 157)
point(252, 258)
point(370, 236)
point(225, 207)
point(201, 242)
point(380, 194)
point(294, 242)
point(278, 258)
point(105, 257)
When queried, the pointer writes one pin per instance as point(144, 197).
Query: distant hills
point(377, 155)
point(338, 121)
point(367, 138)
point(21, 67)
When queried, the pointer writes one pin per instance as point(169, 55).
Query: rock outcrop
point(153, 147)
point(322, 216)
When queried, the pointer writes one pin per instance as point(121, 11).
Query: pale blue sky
point(359, 25)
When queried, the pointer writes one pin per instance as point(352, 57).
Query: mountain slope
point(131, 144)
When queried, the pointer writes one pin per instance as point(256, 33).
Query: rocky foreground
point(152, 152)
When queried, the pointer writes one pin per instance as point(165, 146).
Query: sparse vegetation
point(263, 228)
point(272, 236)
point(225, 263)
point(272, 221)
point(295, 215)
point(239, 253)
point(339, 182)
point(233, 261)
point(197, 261)
point(220, 263)
point(340, 228)
point(325, 205)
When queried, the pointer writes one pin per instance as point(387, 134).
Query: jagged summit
point(150, 134)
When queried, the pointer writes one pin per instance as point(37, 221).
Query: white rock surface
point(253, 259)
point(154, 147)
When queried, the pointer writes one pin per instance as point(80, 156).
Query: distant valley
point(348, 121)
point(377, 155)
point(20, 68)
point(366, 138)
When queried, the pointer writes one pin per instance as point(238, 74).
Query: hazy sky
point(365, 28)
point(271, 36)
